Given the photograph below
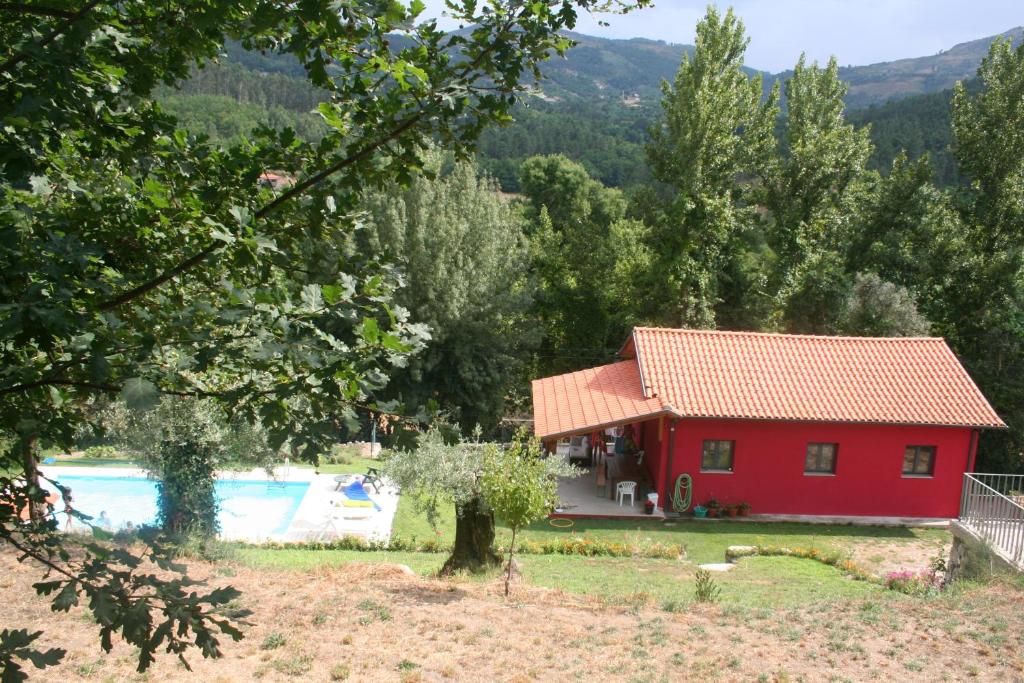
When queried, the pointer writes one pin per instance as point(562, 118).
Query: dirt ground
point(882, 557)
point(379, 623)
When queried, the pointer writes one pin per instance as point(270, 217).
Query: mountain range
point(632, 70)
point(596, 104)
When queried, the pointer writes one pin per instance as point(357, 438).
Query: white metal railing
point(992, 505)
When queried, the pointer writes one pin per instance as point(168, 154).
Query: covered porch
point(613, 460)
point(582, 497)
point(600, 420)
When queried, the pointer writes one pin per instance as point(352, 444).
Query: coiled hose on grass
point(682, 495)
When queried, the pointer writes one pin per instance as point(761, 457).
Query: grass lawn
point(353, 465)
point(704, 541)
point(303, 560)
point(768, 582)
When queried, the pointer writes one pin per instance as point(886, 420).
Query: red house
point(791, 424)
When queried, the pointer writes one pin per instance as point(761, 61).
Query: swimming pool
point(248, 508)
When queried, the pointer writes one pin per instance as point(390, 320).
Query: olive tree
point(443, 469)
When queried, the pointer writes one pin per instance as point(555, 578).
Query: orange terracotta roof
point(591, 399)
point(896, 380)
point(748, 375)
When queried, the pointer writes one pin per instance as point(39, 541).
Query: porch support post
point(670, 447)
point(666, 429)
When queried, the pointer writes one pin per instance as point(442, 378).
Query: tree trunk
point(474, 539)
point(511, 549)
point(30, 466)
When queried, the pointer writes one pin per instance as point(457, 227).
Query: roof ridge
point(745, 333)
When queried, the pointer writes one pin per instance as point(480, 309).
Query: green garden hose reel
point(682, 495)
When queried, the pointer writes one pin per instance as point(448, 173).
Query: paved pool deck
point(320, 515)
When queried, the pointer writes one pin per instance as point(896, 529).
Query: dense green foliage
point(584, 254)
point(138, 260)
point(464, 256)
point(182, 442)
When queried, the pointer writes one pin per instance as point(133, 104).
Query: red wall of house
point(768, 468)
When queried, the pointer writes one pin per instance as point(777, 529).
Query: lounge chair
point(356, 493)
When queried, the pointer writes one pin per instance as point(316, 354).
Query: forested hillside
point(595, 105)
point(606, 138)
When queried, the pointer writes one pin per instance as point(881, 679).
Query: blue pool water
point(248, 507)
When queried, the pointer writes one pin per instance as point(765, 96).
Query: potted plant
point(712, 506)
point(700, 512)
point(732, 510)
point(744, 508)
point(648, 507)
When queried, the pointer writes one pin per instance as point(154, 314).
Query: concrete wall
point(971, 558)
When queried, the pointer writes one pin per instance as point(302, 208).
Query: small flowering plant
point(922, 583)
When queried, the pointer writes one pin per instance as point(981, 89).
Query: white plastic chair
point(623, 489)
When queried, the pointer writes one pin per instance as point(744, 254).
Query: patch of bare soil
point(378, 623)
point(880, 557)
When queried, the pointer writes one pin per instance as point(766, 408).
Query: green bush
point(339, 455)
point(100, 452)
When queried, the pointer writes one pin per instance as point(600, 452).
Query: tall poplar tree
point(715, 133)
point(821, 157)
point(982, 310)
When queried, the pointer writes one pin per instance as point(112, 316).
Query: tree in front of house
point(521, 486)
point(441, 469)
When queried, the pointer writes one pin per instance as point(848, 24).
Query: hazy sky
point(856, 31)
